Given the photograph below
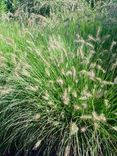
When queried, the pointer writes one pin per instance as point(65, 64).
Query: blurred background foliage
point(42, 7)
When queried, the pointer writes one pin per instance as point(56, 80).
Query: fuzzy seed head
point(99, 79)
point(69, 89)
point(86, 117)
point(95, 116)
point(99, 93)
point(56, 123)
point(47, 71)
point(106, 102)
point(36, 117)
point(63, 71)
point(91, 74)
point(60, 81)
point(73, 128)
point(114, 128)
point(83, 72)
point(84, 105)
point(32, 88)
point(46, 96)
point(92, 65)
point(5, 90)
point(67, 151)
point(76, 107)
point(83, 129)
point(37, 145)
point(96, 125)
point(90, 45)
point(74, 93)
point(107, 82)
point(2, 61)
point(100, 118)
point(101, 69)
point(65, 97)
point(91, 38)
point(25, 72)
point(80, 52)
point(112, 45)
point(85, 95)
point(69, 73)
point(73, 72)
point(115, 80)
point(114, 65)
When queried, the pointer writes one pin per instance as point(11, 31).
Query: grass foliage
point(58, 82)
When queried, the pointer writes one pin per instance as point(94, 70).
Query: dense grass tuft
point(58, 83)
point(61, 97)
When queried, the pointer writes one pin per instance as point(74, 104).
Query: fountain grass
point(58, 86)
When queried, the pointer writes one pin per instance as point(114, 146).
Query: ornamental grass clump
point(61, 100)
